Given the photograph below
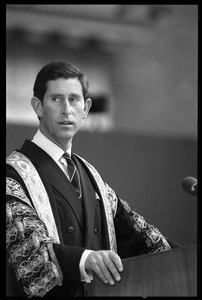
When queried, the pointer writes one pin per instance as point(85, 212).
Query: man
point(63, 227)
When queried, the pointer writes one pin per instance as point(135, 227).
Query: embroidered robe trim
point(33, 258)
point(36, 189)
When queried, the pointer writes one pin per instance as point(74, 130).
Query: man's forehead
point(63, 84)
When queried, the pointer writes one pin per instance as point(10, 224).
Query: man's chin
point(66, 137)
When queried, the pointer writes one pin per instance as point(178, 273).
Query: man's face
point(63, 110)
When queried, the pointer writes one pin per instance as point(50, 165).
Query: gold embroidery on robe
point(28, 241)
point(36, 190)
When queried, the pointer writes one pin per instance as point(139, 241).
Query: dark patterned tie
point(73, 174)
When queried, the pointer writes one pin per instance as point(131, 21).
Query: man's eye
point(56, 99)
point(74, 99)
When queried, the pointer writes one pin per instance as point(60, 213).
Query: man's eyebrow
point(62, 95)
point(75, 95)
point(56, 95)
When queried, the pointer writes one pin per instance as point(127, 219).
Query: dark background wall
point(145, 171)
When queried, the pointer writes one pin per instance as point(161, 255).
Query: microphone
point(189, 185)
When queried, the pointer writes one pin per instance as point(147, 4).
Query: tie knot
point(70, 165)
point(73, 174)
point(66, 155)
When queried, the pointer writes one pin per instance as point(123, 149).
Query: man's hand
point(106, 264)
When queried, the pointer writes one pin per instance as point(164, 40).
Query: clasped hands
point(106, 264)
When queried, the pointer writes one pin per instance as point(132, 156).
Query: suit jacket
point(82, 224)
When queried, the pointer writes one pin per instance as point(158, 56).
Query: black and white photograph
point(102, 150)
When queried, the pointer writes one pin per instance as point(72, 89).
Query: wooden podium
point(167, 273)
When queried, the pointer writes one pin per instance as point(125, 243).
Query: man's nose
point(66, 108)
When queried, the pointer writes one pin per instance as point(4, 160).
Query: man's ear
point(87, 106)
point(37, 106)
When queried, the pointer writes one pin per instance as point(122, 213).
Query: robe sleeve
point(29, 248)
point(134, 236)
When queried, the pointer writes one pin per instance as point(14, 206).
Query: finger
point(93, 263)
point(117, 260)
point(104, 266)
point(98, 270)
point(112, 272)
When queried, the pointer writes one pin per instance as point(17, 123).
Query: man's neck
point(48, 145)
point(65, 147)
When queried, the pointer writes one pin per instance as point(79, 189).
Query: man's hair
point(55, 70)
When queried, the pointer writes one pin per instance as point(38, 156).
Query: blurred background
point(141, 62)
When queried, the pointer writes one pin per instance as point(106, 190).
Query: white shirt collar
point(48, 146)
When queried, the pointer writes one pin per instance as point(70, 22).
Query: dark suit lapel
point(89, 202)
point(60, 182)
point(54, 175)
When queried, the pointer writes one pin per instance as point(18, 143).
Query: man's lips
point(65, 123)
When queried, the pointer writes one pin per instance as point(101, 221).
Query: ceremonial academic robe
point(83, 224)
